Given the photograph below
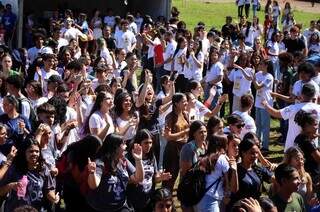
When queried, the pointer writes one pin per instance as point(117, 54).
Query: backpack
point(192, 187)
point(33, 118)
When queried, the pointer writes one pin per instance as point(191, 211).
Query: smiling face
point(127, 104)
point(251, 155)
point(201, 134)
point(3, 135)
point(32, 155)
point(146, 145)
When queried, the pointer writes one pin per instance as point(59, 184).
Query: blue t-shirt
point(12, 125)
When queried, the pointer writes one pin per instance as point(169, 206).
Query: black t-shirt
point(111, 43)
point(308, 147)
point(150, 120)
point(294, 45)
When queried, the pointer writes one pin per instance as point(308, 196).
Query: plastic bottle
point(22, 189)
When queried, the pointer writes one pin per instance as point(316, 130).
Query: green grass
point(213, 14)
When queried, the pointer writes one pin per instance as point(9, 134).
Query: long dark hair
point(176, 98)
point(179, 42)
point(96, 106)
point(20, 161)
point(108, 152)
point(194, 127)
point(118, 101)
point(213, 122)
point(142, 135)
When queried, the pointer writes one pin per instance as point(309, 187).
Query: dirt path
point(297, 5)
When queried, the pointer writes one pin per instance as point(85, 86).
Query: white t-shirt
point(133, 28)
point(297, 87)
point(45, 76)
point(156, 41)
point(96, 120)
point(249, 123)
point(241, 2)
point(241, 85)
point(62, 42)
point(36, 103)
point(72, 33)
point(177, 61)
point(193, 72)
point(264, 92)
point(274, 49)
point(276, 11)
point(130, 133)
point(106, 55)
point(71, 114)
point(315, 48)
point(215, 71)
point(119, 68)
point(169, 51)
point(221, 167)
point(290, 112)
point(125, 40)
point(109, 21)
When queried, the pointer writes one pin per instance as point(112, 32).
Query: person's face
point(32, 155)
point(3, 136)
point(108, 101)
point(292, 184)
point(251, 155)
point(39, 42)
point(233, 148)
point(7, 63)
point(125, 27)
point(164, 206)
point(236, 128)
point(277, 37)
point(67, 56)
point(7, 106)
point(46, 137)
point(46, 118)
point(218, 129)
point(102, 62)
point(197, 91)
point(115, 86)
point(192, 101)
point(146, 145)
point(122, 55)
point(183, 44)
point(201, 134)
point(297, 161)
point(127, 104)
point(214, 57)
point(294, 35)
point(228, 20)
point(256, 60)
point(65, 95)
point(132, 61)
point(305, 77)
point(150, 93)
point(49, 63)
point(122, 151)
point(312, 128)
point(182, 104)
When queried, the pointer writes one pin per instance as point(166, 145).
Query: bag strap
point(217, 181)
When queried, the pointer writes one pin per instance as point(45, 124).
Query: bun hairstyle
point(302, 118)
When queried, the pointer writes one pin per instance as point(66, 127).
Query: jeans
point(263, 126)
point(276, 69)
point(254, 9)
point(240, 10)
point(247, 9)
point(284, 124)
point(208, 204)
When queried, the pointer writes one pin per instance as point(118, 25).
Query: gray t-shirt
point(190, 152)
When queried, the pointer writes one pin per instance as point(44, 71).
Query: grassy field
point(214, 13)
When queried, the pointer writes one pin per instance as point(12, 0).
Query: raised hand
point(91, 166)
point(165, 176)
point(137, 152)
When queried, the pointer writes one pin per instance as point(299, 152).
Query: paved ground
point(297, 5)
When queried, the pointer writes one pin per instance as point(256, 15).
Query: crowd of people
point(110, 113)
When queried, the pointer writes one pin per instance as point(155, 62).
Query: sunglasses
point(240, 126)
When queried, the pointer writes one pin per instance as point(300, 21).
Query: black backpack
point(33, 115)
point(192, 187)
